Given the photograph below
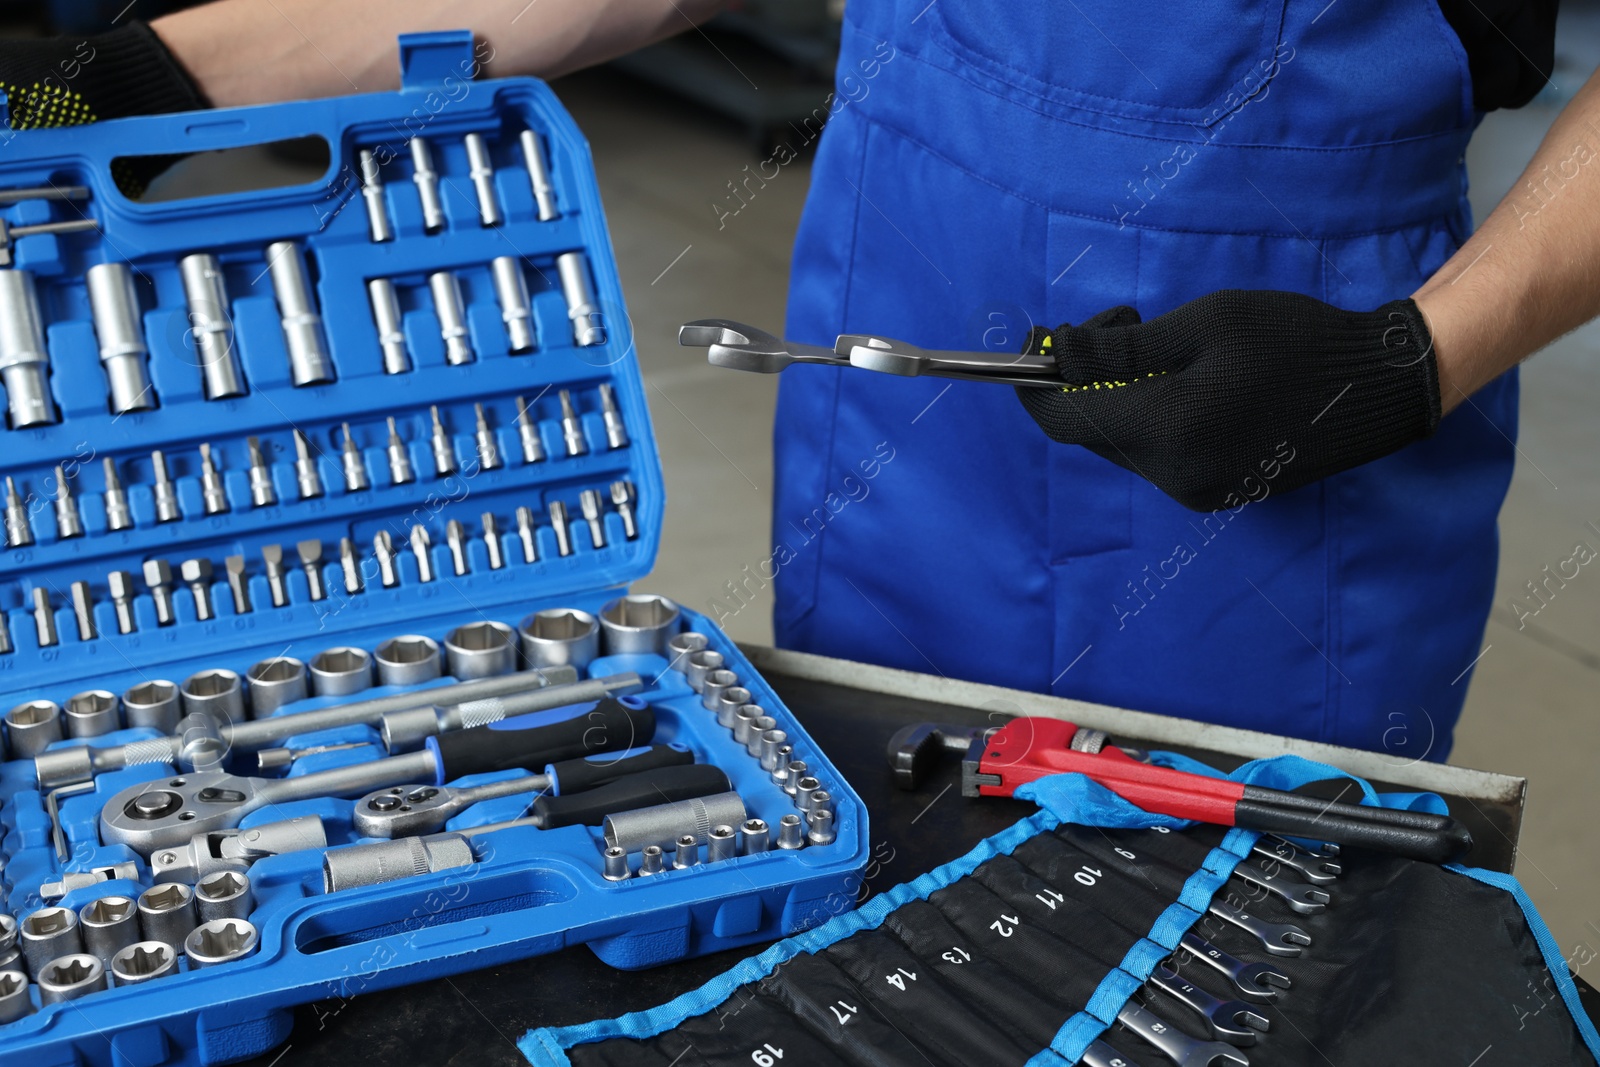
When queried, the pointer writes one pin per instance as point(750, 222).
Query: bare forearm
point(258, 51)
point(1532, 271)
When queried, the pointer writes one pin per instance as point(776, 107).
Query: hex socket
point(717, 683)
point(153, 705)
point(663, 824)
point(409, 659)
point(143, 961)
point(275, 682)
point(681, 646)
point(70, 977)
point(701, 664)
point(92, 713)
point(218, 693)
point(338, 672)
point(481, 650)
point(166, 913)
point(224, 895)
point(49, 934)
point(32, 726)
point(639, 624)
point(220, 941)
point(728, 703)
point(108, 925)
point(559, 637)
point(759, 727)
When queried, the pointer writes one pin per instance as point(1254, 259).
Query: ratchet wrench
point(738, 346)
point(169, 812)
point(1251, 979)
point(409, 810)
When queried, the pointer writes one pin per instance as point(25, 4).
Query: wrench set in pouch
point(318, 668)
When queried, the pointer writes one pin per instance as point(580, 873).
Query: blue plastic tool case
point(542, 890)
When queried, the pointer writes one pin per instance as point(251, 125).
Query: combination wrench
point(1251, 979)
point(1232, 1021)
point(167, 813)
point(1280, 939)
point(1314, 868)
point(1301, 897)
point(406, 811)
point(1100, 1054)
point(1177, 1046)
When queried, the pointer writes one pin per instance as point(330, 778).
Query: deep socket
point(372, 193)
point(516, 310)
point(560, 636)
point(309, 362)
point(581, 307)
point(447, 304)
point(211, 326)
point(114, 308)
point(340, 671)
point(275, 682)
point(24, 358)
point(480, 168)
point(426, 180)
point(544, 193)
point(663, 824)
point(481, 650)
point(391, 332)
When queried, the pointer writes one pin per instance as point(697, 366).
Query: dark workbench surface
point(476, 1018)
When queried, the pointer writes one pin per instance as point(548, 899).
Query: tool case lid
point(327, 218)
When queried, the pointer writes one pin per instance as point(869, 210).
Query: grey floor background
point(664, 165)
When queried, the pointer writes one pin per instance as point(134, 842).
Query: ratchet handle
point(514, 743)
point(641, 790)
point(1437, 845)
point(578, 775)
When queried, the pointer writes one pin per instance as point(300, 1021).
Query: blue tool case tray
point(318, 667)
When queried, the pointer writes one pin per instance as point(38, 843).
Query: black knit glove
point(1240, 394)
point(68, 81)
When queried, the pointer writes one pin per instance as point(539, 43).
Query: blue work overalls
point(989, 166)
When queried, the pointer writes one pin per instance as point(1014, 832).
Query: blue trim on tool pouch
point(1553, 960)
point(1061, 798)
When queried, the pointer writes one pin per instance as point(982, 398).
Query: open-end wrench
point(1314, 870)
point(409, 810)
point(1251, 979)
point(1280, 939)
point(1177, 1046)
point(738, 346)
point(1100, 1054)
point(169, 812)
point(1301, 897)
point(1232, 1021)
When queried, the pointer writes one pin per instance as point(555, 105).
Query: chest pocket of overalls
point(1185, 62)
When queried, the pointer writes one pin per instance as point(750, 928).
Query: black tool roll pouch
point(1027, 950)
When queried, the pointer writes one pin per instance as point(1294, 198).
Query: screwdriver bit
point(158, 577)
point(167, 509)
point(383, 551)
point(571, 427)
point(491, 541)
point(528, 431)
point(421, 544)
point(616, 431)
point(399, 459)
point(305, 468)
point(488, 447)
point(19, 533)
point(272, 556)
point(310, 553)
point(117, 515)
point(530, 544)
point(262, 494)
point(122, 594)
point(444, 452)
point(355, 467)
point(44, 617)
point(622, 500)
point(558, 522)
point(238, 584)
point(350, 564)
point(455, 535)
point(83, 610)
point(196, 574)
point(589, 502)
point(5, 634)
point(212, 490)
point(68, 522)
